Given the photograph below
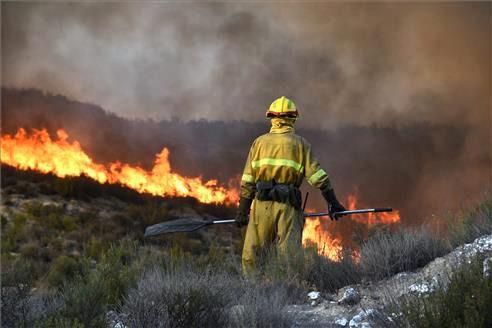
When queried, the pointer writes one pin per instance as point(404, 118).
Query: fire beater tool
point(193, 223)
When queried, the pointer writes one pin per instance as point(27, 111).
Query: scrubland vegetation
point(465, 302)
point(62, 269)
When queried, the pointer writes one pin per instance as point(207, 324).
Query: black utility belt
point(279, 192)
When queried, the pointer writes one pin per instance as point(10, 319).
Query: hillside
point(73, 255)
point(422, 169)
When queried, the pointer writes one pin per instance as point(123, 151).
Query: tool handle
point(383, 209)
point(349, 212)
point(224, 221)
point(305, 201)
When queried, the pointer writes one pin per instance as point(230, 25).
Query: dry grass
point(182, 296)
point(386, 254)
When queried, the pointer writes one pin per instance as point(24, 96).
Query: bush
point(475, 223)
point(180, 297)
point(466, 302)
point(51, 216)
point(262, 306)
point(94, 248)
point(16, 285)
point(328, 275)
point(63, 268)
point(303, 267)
point(84, 299)
point(29, 250)
point(150, 212)
point(386, 254)
point(89, 296)
point(14, 232)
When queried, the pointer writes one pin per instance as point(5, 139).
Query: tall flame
point(40, 153)
point(314, 234)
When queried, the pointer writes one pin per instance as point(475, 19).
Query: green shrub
point(84, 299)
point(116, 270)
point(94, 248)
point(93, 291)
point(473, 224)
point(50, 216)
point(14, 233)
point(465, 302)
point(68, 223)
point(4, 221)
point(35, 209)
point(63, 268)
point(29, 250)
point(150, 212)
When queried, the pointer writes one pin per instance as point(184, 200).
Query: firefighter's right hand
point(335, 207)
point(242, 219)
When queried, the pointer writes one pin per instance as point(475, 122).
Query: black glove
point(242, 215)
point(333, 203)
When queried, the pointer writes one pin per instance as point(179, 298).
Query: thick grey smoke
point(342, 63)
point(404, 89)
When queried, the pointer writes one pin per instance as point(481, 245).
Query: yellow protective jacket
point(283, 156)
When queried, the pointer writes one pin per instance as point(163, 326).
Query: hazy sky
point(342, 63)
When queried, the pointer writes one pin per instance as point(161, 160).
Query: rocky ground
point(363, 305)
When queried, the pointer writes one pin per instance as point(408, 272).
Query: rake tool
point(190, 224)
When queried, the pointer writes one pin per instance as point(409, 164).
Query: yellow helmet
point(282, 107)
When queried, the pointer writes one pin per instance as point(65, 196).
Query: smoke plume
point(395, 98)
point(342, 63)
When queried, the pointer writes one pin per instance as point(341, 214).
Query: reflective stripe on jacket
point(283, 156)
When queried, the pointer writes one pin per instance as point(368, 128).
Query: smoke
point(342, 63)
point(395, 98)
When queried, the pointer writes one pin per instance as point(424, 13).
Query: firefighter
point(270, 203)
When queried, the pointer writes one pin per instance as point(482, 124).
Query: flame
point(315, 235)
point(60, 157)
point(318, 231)
point(372, 218)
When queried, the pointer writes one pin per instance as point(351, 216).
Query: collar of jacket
point(282, 125)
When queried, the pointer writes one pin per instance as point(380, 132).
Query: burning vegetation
point(320, 232)
point(39, 152)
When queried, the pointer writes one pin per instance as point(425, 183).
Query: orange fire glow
point(372, 218)
point(329, 245)
point(63, 158)
point(326, 244)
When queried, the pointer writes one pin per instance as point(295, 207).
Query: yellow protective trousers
point(270, 223)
